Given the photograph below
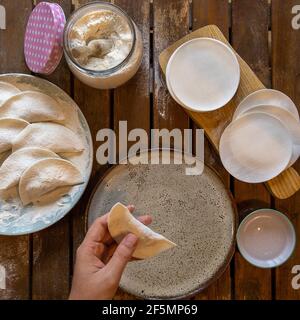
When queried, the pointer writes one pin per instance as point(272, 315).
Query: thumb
point(122, 255)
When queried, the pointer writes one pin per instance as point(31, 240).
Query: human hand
point(100, 262)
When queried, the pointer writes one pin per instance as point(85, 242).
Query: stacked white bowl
point(263, 138)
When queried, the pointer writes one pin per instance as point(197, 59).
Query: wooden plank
point(250, 20)
point(15, 251)
point(250, 40)
point(132, 100)
point(51, 251)
point(171, 22)
point(212, 12)
point(285, 77)
point(95, 105)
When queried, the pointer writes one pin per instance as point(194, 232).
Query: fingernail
point(131, 240)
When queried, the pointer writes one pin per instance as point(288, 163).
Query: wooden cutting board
point(214, 122)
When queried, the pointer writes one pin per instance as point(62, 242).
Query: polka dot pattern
point(43, 38)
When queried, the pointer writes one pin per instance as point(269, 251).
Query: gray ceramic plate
point(196, 212)
point(15, 219)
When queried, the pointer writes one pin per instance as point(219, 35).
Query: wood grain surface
point(171, 22)
point(97, 109)
point(40, 266)
point(15, 252)
point(250, 22)
point(285, 77)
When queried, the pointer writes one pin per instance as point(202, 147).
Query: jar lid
point(43, 38)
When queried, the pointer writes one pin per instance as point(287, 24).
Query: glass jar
point(102, 45)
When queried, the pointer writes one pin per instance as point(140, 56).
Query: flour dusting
point(14, 217)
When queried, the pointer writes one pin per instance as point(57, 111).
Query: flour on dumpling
point(48, 135)
point(32, 106)
point(14, 166)
point(45, 176)
point(9, 129)
point(7, 90)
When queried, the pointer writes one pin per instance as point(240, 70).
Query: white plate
point(172, 92)
point(287, 119)
point(267, 97)
point(16, 219)
point(266, 238)
point(256, 148)
point(203, 74)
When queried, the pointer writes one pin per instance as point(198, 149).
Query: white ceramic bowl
point(266, 238)
point(287, 119)
point(203, 74)
point(256, 148)
point(267, 97)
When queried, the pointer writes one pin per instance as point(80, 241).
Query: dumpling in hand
point(55, 137)
point(121, 222)
point(45, 176)
point(14, 166)
point(9, 129)
point(32, 106)
point(7, 90)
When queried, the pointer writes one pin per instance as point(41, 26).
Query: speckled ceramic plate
point(196, 212)
point(16, 219)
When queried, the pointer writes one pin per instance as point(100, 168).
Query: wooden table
point(40, 266)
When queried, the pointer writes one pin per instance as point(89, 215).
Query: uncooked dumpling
point(32, 106)
point(45, 176)
point(48, 135)
point(121, 222)
point(7, 90)
point(14, 166)
point(9, 129)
